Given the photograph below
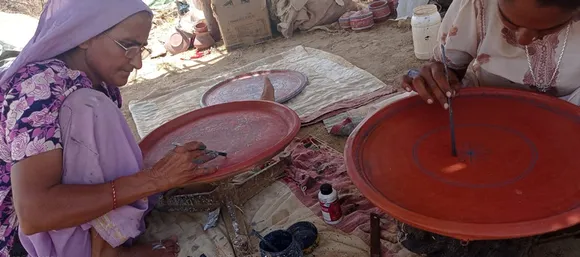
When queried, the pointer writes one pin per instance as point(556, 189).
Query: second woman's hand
point(431, 83)
point(182, 165)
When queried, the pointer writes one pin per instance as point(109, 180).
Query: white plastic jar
point(425, 25)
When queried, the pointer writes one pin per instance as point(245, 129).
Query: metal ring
point(158, 246)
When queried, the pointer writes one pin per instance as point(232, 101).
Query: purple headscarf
point(65, 24)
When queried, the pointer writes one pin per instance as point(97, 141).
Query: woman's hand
point(43, 203)
point(182, 165)
point(431, 83)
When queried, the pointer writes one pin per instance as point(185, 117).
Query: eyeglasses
point(132, 51)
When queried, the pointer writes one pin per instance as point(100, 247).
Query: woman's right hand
point(183, 165)
point(431, 83)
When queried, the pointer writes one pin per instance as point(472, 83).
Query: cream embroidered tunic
point(476, 39)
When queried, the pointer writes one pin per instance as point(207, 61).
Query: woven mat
point(332, 79)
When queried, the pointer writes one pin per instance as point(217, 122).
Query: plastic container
point(362, 20)
point(329, 205)
point(285, 243)
point(425, 23)
point(381, 10)
point(306, 234)
point(344, 20)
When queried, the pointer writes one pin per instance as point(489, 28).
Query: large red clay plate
point(249, 132)
point(249, 86)
point(517, 173)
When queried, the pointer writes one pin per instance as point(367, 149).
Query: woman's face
point(530, 21)
point(106, 55)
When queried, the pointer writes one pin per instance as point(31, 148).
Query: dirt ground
point(28, 7)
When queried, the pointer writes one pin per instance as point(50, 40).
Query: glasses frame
point(144, 51)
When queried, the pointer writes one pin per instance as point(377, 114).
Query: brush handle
point(450, 108)
point(262, 239)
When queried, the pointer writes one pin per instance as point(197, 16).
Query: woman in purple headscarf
point(73, 183)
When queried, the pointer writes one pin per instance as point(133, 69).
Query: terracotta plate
point(250, 132)
point(287, 84)
point(517, 173)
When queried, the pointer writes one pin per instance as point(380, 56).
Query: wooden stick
point(375, 235)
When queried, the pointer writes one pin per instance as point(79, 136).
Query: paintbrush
point(266, 242)
point(224, 154)
point(450, 109)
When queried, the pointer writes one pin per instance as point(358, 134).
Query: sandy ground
point(28, 7)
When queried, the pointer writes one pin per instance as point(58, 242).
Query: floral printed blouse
point(31, 101)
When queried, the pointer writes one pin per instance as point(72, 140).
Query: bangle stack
point(114, 195)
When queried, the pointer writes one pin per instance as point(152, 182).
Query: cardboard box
point(242, 22)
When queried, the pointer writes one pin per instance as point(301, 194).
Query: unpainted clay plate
point(249, 86)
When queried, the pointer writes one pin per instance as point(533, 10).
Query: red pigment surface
point(249, 132)
point(516, 173)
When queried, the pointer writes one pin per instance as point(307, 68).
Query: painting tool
point(256, 234)
point(224, 154)
point(450, 109)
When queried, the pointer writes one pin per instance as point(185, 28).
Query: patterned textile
point(29, 125)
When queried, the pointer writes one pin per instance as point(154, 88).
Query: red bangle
point(114, 195)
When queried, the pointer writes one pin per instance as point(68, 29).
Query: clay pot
point(203, 41)
point(177, 43)
point(344, 20)
point(380, 10)
point(362, 20)
point(200, 27)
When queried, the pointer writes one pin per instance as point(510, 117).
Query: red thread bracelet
point(114, 195)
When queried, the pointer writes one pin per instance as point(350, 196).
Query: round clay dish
point(250, 132)
point(287, 85)
point(516, 173)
